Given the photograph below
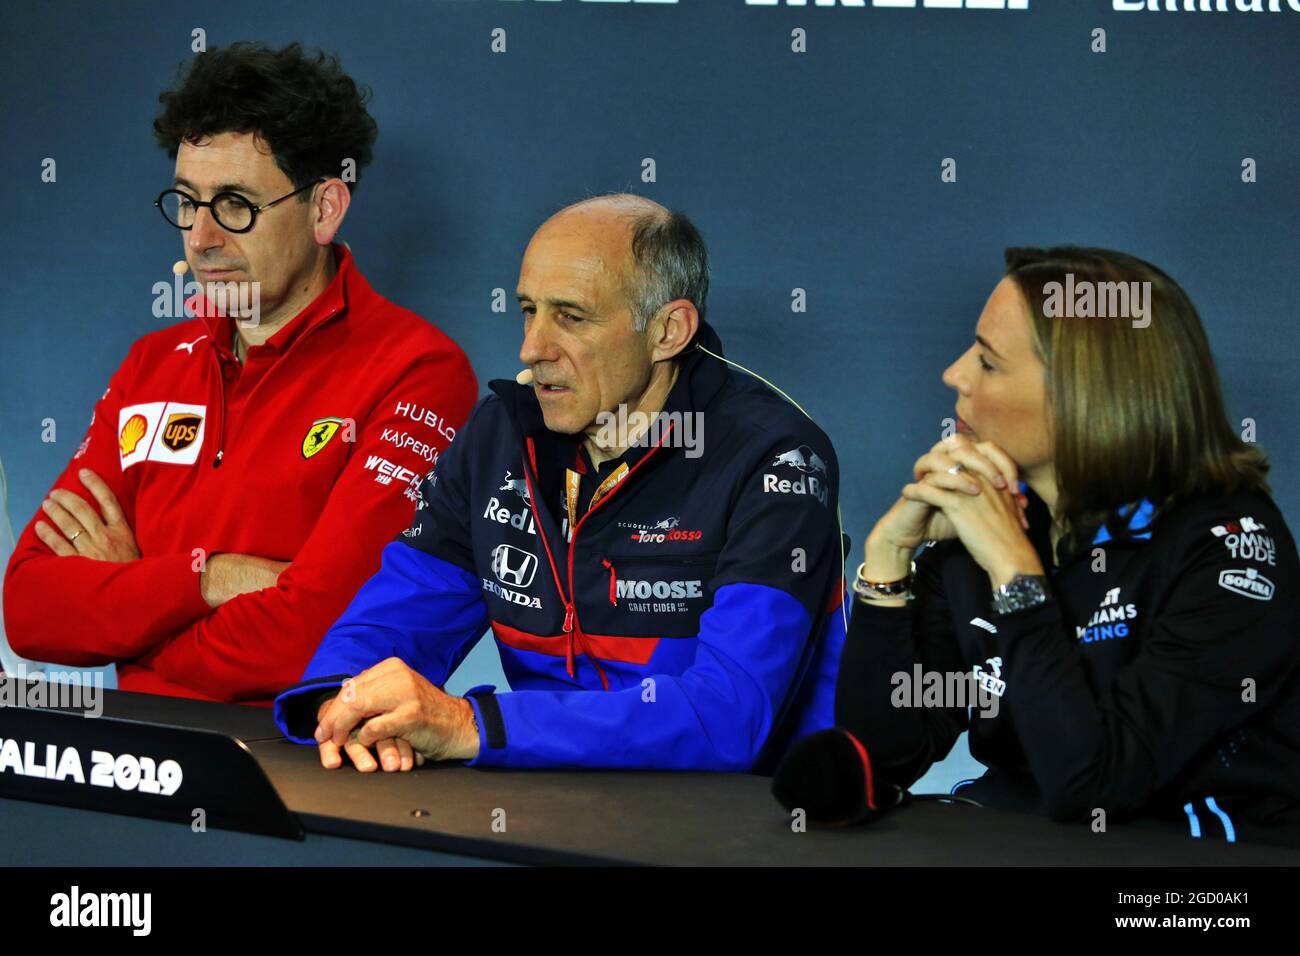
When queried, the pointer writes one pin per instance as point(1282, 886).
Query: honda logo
point(513, 566)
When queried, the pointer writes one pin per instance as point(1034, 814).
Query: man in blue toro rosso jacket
point(651, 537)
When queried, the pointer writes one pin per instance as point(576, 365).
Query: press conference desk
point(450, 814)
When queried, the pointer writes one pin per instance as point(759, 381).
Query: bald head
point(624, 205)
point(655, 254)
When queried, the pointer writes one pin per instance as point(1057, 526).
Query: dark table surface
point(451, 813)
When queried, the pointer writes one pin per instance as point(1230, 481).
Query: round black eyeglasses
point(232, 211)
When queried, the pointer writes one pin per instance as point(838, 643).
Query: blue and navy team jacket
point(691, 619)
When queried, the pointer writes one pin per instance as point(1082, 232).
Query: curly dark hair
point(311, 114)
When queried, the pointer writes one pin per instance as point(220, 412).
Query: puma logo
point(189, 346)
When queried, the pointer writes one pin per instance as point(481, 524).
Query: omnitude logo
point(1204, 6)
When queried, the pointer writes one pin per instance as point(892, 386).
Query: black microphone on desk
point(828, 775)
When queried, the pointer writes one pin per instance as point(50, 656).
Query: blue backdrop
point(816, 170)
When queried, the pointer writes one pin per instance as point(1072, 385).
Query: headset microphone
point(180, 267)
point(525, 377)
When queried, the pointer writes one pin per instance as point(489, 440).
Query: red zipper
point(613, 583)
point(221, 376)
point(572, 626)
point(221, 395)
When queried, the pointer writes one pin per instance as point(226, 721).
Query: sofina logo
point(1247, 582)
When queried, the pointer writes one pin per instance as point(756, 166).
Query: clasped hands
point(960, 489)
point(401, 714)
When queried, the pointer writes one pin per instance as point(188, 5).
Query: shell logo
point(132, 432)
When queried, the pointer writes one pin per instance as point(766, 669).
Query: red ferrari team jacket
point(310, 453)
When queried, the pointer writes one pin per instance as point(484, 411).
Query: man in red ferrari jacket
point(241, 475)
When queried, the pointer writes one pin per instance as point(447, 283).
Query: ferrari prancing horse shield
point(319, 435)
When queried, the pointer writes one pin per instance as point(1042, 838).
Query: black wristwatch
point(1022, 591)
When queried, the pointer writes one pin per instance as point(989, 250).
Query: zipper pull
point(568, 629)
point(613, 582)
point(216, 462)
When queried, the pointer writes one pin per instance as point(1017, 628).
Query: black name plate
point(180, 774)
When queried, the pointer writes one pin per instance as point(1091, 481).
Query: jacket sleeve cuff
point(189, 583)
point(1018, 623)
point(491, 727)
point(295, 708)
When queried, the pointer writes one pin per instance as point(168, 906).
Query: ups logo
point(180, 430)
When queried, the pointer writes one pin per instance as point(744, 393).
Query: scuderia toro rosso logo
point(812, 475)
point(664, 530)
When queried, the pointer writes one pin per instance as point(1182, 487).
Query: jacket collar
point(1137, 516)
point(348, 283)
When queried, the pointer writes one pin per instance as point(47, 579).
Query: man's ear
point(331, 202)
point(672, 329)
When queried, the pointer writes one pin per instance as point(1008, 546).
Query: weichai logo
point(180, 430)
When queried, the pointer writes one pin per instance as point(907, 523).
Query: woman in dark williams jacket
point(1110, 577)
